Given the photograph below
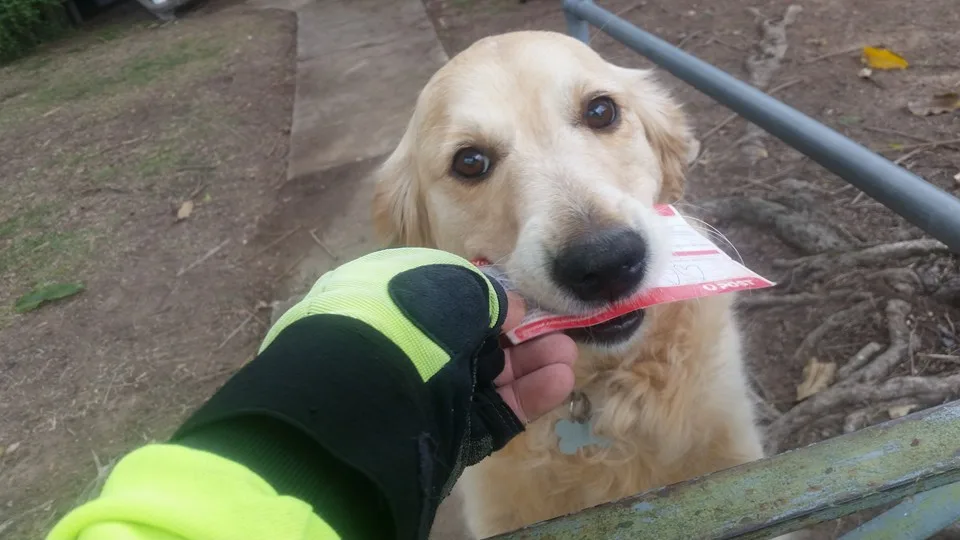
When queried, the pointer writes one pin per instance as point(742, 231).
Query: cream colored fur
point(673, 398)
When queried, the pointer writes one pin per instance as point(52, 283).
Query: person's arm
point(365, 403)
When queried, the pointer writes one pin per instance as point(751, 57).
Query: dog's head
point(531, 151)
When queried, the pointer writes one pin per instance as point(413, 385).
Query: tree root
point(857, 379)
point(949, 292)
point(858, 419)
point(763, 407)
point(928, 389)
point(864, 417)
point(837, 320)
point(815, 266)
point(858, 360)
point(897, 280)
point(757, 301)
point(897, 312)
point(761, 66)
point(793, 228)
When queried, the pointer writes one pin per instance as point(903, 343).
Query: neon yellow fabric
point(358, 289)
point(169, 492)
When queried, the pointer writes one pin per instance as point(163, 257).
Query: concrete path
point(360, 66)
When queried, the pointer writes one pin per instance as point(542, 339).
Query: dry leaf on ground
point(878, 58)
point(900, 411)
point(816, 377)
point(185, 210)
point(10, 449)
point(937, 104)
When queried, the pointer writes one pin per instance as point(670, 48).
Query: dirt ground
point(820, 71)
point(104, 136)
point(108, 133)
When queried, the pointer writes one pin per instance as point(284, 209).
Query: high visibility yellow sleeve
point(170, 492)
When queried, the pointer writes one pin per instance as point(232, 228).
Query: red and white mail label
point(697, 268)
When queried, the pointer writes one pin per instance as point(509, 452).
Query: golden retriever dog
point(531, 151)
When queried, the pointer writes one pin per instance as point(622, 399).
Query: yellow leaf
point(938, 104)
point(816, 377)
point(877, 58)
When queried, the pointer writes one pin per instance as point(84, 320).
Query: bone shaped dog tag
point(573, 436)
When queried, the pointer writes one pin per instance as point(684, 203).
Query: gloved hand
point(392, 364)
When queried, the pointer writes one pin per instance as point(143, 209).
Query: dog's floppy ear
point(399, 217)
point(668, 132)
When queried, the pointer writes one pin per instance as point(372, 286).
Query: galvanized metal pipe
point(920, 202)
point(865, 469)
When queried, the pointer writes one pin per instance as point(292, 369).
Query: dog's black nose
point(604, 265)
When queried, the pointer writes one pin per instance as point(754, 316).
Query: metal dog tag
point(573, 436)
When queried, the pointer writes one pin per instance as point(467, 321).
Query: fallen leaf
point(816, 377)
point(185, 210)
point(46, 293)
point(7, 451)
point(900, 411)
point(938, 104)
point(879, 58)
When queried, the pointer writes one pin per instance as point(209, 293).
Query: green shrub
point(25, 23)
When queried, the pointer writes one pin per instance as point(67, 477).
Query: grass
point(92, 74)
point(47, 256)
point(40, 254)
point(85, 77)
point(35, 245)
point(137, 72)
point(34, 218)
point(39, 258)
point(103, 134)
point(144, 70)
point(162, 160)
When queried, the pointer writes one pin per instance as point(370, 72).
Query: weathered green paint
point(793, 490)
point(916, 518)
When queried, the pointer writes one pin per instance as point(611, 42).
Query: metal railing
point(917, 454)
point(789, 491)
point(920, 202)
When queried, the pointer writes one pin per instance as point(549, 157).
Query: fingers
point(537, 353)
point(516, 309)
point(539, 392)
point(538, 376)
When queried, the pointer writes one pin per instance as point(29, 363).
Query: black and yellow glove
point(386, 366)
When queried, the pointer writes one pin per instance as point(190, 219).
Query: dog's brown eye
point(601, 112)
point(470, 163)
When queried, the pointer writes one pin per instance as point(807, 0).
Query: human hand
point(537, 375)
point(392, 363)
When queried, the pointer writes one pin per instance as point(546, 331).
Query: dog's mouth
point(607, 333)
point(612, 332)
